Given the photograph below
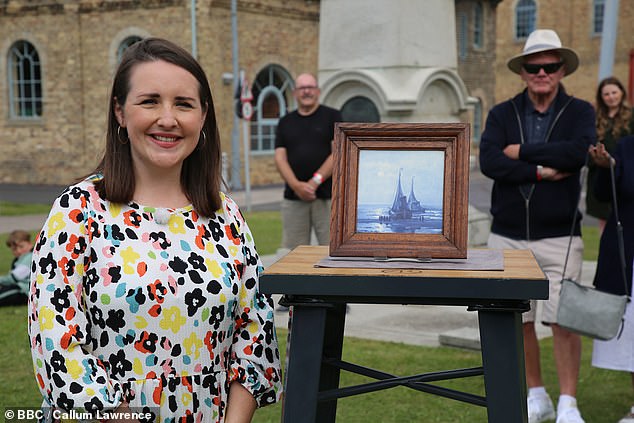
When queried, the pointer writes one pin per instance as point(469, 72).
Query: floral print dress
point(164, 316)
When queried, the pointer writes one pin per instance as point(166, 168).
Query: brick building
point(57, 59)
point(579, 25)
point(476, 43)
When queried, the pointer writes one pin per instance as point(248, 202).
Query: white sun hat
point(542, 40)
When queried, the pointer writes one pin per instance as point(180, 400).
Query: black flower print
point(178, 265)
point(147, 342)
point(118, 363)
point(58, 363)
point(160, 240)
point(115, 320)
point(64, 402)
point(166, 315)
point(197, 261)
point(194, 301)
point(216, 231)
point(113, 233)
point(47, 266)
point(60, 299)
point(217, 315)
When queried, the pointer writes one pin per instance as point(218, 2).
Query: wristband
point(317, 178)
point(539, 172)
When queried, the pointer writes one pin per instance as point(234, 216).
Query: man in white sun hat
point(533, 147)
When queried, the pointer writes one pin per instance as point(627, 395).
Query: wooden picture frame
point(426, 218)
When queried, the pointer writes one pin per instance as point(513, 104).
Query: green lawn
point(604, 396)
point(18, 209)
point(590, 242)
point(266, 227)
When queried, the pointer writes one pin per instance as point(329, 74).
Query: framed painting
point(400, 190)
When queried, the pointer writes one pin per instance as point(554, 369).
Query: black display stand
point(319, 297)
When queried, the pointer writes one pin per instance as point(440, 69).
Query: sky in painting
point(379, 170)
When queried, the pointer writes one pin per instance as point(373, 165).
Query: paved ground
point(417, 325)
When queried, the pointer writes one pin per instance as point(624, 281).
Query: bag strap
point(582, 178)
point(619, 228)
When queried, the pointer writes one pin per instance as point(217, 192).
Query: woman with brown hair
point(614, 121)
point(145, 300)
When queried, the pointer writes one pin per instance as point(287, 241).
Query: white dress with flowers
point(164, 316)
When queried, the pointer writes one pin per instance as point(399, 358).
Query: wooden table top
point(518, 264)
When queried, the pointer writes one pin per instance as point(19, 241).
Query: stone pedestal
point(399, 55)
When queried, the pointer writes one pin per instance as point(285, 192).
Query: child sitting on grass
point(14, 286)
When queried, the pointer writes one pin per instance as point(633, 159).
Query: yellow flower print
point(177, 224)
point(186, 399)
point(137, 366)
point(115, 209)
point(129, 257)
point(253, 328)
point(140, 322)
point(233, 250)
point(214, 268)
point(172, 319)
point(74, 369)
point(56, 223)
point(192, 345)
point(243, 296)
point(79, 269)
point(46, 318)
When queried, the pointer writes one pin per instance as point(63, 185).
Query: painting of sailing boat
point(400, 191)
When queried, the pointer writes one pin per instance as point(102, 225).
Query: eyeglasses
point(549, 68)
point(307, 87)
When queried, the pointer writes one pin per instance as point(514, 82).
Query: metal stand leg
point(503, 360)
point(333, 345)
point(306, 341)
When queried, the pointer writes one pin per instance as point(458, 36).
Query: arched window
point(462, 35)
point(525, 17)
point(597, 20)
point(272, 95)
point(24, 81)
point(360, 109)
point(477, 122)
point(478, 25)
point(125, 44)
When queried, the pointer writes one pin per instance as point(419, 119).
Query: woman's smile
point(163, 116)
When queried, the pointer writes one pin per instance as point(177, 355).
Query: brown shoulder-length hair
point(621, 120)
point(201, 173)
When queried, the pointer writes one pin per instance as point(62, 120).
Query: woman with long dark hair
point(144, 291)
point(614, 120)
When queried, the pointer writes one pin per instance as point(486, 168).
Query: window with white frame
point(127, 42)
point(478, 25)
point(462, 35)
point(525, 18)
point(477, 122)
point(360, 109)
point(597, 21)
point(272, 97)
point(24, 81)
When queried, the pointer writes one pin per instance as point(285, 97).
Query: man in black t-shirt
point(303, 156)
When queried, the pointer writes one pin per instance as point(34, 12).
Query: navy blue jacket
point(608, 276)
point(544, 209)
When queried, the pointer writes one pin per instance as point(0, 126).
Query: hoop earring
point(121, 140)
point(204, 141)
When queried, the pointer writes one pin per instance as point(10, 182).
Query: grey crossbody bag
point(588, 311)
